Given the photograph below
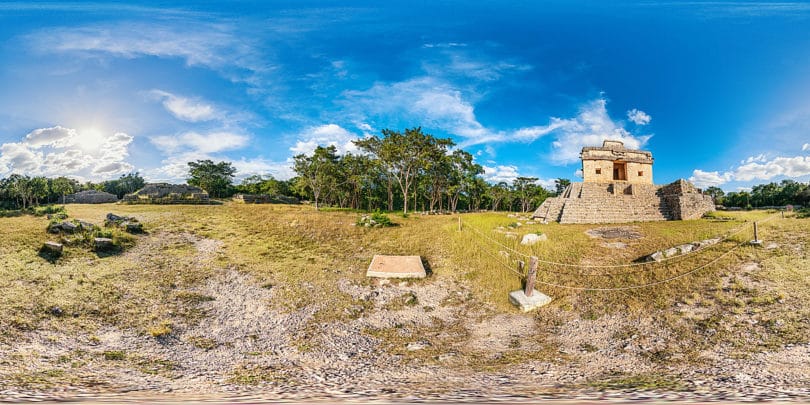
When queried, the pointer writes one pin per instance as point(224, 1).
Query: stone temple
point(617, 186)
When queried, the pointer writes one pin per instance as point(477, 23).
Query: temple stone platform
point(396, 267)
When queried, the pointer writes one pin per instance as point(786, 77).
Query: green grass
point(302, 255)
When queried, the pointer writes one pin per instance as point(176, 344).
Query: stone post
point(530, 278)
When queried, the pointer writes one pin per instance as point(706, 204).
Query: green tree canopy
point(215, 178)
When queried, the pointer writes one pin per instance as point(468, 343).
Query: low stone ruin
point(165, 193)
point(264, 199)
point(90, 197)
point(127, 224)
point(681, 249)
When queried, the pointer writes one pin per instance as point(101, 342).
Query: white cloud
point(796, 166)
point(428, 100)
point(186, 109)
point(639, 117)
point(755, 168)
point(59, 151)
point(499, 173)
point(325, 135)
point(704, 179)
point(201, 143)
point(806, 147)
point(212, 45)
point(590, 127)
point(54, 136)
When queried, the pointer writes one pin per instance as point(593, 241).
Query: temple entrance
point(619, 171)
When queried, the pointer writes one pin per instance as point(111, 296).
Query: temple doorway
point(619, 171)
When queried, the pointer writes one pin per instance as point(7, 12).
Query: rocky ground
point(426, 339)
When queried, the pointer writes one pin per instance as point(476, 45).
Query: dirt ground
point(400, 340)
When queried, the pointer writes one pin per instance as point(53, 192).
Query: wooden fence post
point(459, 223)
point(530, 278)
point(756, 234)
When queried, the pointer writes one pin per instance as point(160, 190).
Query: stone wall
point(90, 197)
point(264, 199)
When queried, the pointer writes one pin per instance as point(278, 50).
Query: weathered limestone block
point(101, 244)
point(53, 248)
point(69, 227)
point(132, 227)
point(532, 238)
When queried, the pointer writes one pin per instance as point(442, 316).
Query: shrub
point(375, 220)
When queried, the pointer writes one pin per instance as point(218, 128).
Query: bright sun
point(89, 138)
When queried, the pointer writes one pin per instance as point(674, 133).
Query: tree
point(62, 186)
point(525, 189)
point(404, 156)
point(215, 178)
point(498, 193)
point(39, 188)
point(318, 171)
point(20, 186)
point(560, 184)
point(716, 193)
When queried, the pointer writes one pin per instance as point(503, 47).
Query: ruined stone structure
point(90, 197)
point(618, 187)
point(165, 193)
point(264, 199)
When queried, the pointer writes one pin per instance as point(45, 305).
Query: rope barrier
point(626, 288)
point(607, 266)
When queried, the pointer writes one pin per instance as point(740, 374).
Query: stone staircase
point(605, 203)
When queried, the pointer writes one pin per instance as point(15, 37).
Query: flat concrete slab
point(519, 299)
point(396, 267)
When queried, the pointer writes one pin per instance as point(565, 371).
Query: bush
point(375, 220)
point(58, 210)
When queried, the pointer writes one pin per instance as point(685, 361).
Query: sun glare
point(89, 138)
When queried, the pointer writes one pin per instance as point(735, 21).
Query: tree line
point(786, 192)
point(20, 191)
point(408, 170)
point(397, 170)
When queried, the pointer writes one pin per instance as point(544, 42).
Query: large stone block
point(396, 267)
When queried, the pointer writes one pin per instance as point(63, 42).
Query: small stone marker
point(529, 298)
point(396, 267)
point(53, 248)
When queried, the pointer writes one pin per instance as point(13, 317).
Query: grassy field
point(303, 256)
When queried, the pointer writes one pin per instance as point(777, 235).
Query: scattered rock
point(100, 244)
point(56, 311)
point(52, 248)
point(132, 227)
point(414, 346)
point(510, 235)
point(86, 226)
point(532, 238)
point(69, 227)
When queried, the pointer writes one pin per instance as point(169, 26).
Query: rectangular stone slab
point(519, 299)
point(396, 267)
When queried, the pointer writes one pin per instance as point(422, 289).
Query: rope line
point(634, 287)
point(498, 260)
point(736, 231)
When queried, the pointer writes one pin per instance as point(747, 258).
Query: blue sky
point(718, 91)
